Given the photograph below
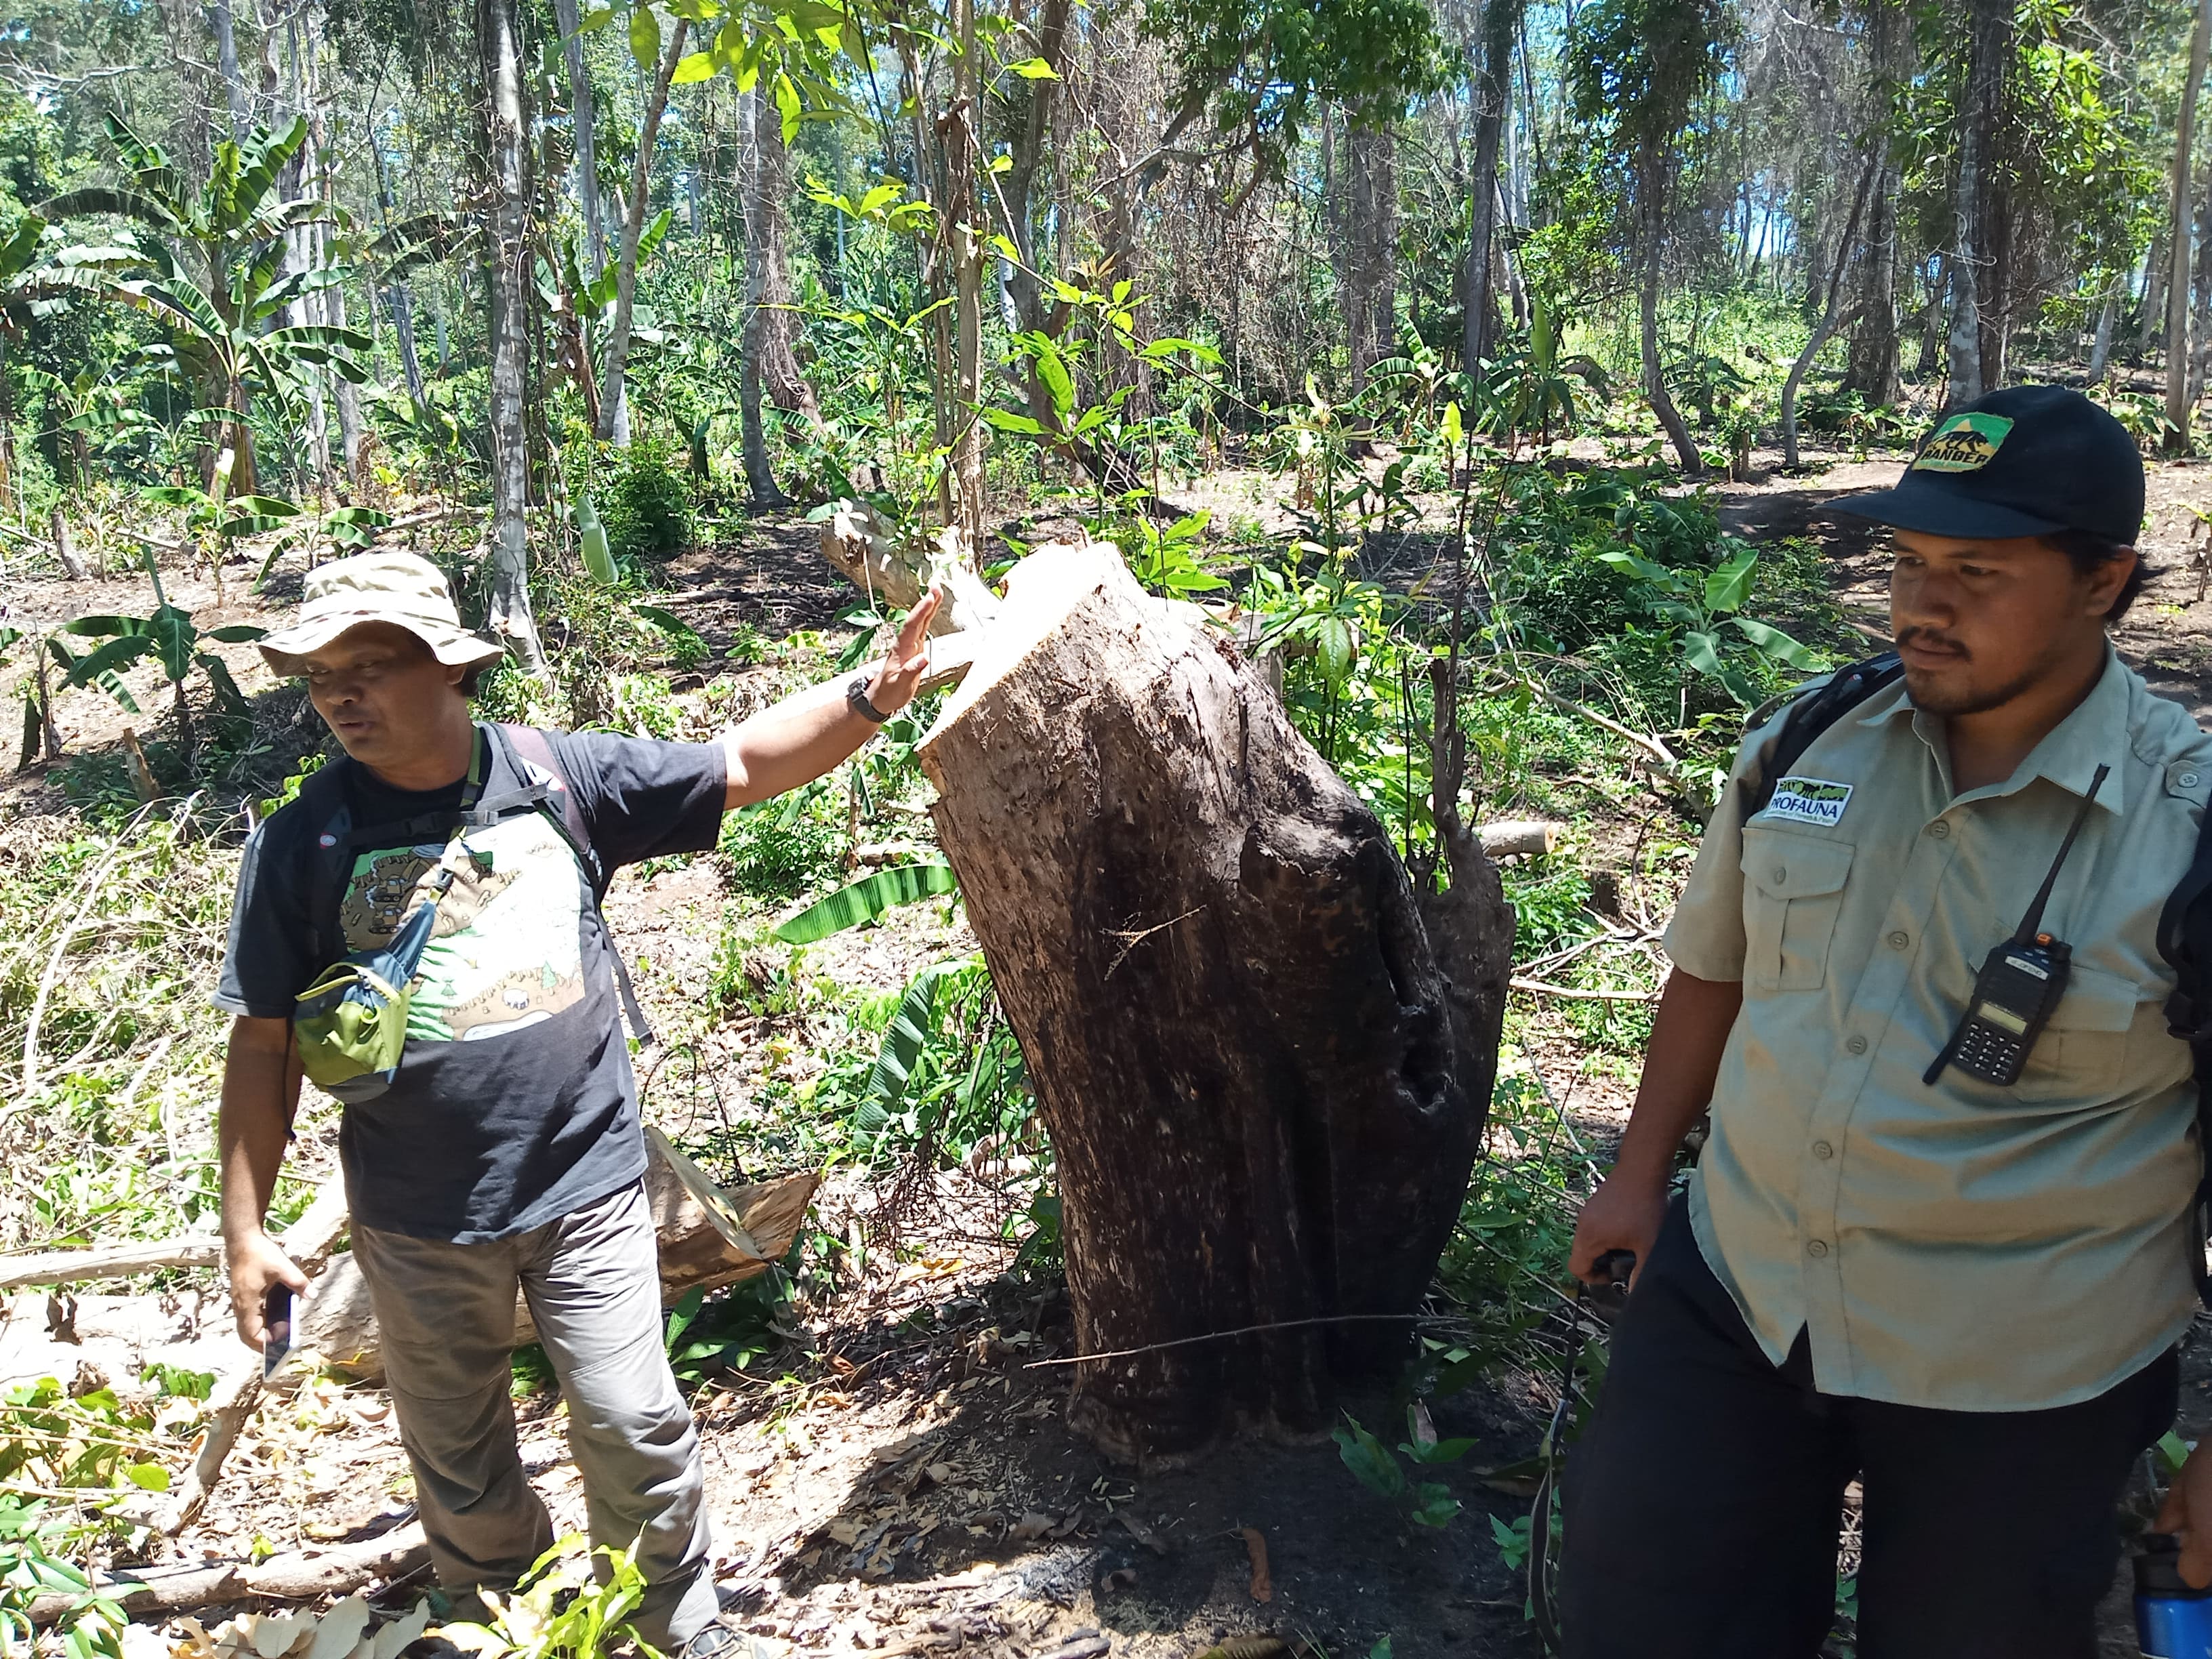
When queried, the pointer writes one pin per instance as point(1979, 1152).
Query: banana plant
point(1701, 602)
point(171, 638)
point(207, 266)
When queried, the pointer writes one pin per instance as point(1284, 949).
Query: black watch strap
point(856, 699)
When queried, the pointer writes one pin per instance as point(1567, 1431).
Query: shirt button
point(1822, 1151)
point(1818, 1246)
point(1781, 874)
point(1856, 1044)
point(1900, 939)
point(2187, 780)
point(1940, 830)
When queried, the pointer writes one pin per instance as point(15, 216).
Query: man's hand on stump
point(900, 677)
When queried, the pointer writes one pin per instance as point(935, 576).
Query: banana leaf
point(865, 900)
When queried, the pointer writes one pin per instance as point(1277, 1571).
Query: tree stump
point(1264, 1061)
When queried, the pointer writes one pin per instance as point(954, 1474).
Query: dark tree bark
point(1501, 22)
point(770, 342)
point(1370, 255)
point(1830, 305)
point(1981, 261)
point(583, 116)
point(506, 151)
point(1653, 195)
point(1263, 1058)
point(614, 400)
point(1871, 365)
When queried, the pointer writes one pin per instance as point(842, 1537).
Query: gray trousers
point(593, 1282)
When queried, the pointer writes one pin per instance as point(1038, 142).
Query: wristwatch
point(856, 699)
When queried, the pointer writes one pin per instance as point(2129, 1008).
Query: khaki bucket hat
point(404, 589)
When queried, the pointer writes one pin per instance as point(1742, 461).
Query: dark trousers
point(1703, 1500)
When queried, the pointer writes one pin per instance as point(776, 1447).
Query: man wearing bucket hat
point(420, 932)
point(1937, 1239)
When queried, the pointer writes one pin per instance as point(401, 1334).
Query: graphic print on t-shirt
point(507, 953)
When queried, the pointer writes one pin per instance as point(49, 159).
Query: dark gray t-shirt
point(514, 1103)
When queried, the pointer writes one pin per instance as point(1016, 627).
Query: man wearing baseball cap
point(419, 932)
point(1937, 1240)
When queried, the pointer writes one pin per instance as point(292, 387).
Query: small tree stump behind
point(1263, 1062)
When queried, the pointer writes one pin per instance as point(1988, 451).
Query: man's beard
point(1969, 700)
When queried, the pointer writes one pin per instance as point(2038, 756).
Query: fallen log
point(336, 1572)
point(709, 1238)
point(108, 1261)
point(1264, 1056)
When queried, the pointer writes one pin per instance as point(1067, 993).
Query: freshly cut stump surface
point(1264, 1063)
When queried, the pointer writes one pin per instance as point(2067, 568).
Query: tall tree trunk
point(1931, 319)
point(332, 300)
point(1653, 192)
point(1981, 220)
point(614, 401)
point(583, 116)
point(1196, 929)
point(764, 125)
point(224, 28)
point(1017, 185)
point(188, 129)
point(1830, 304)
point(767, 249)
point(2100, 351)
point(400, 301)
point(962, 138)
point(1372, 249)
point(2178, 398)
point(1501, 21)
point(1871, 365)
point(507, 281)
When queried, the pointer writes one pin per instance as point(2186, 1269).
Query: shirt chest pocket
point(2082, 1053)
point(1792, 891)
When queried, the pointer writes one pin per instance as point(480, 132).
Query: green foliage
point(1263, 66)
point(945, 1075)
point(645, 512)
point(866, 900)
point(779, 848)
point(31, 1564)
point(731, 1331)
point(564, 1608)
point(1427, 1504)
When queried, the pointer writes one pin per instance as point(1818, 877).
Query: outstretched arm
point(810, 732)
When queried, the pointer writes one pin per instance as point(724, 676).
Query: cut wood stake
point(308, 1241)
point(1526, 836)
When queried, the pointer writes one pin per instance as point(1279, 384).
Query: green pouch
point(351, 1023)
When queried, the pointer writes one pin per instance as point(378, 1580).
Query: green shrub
point(643, 505)
point(780, 847)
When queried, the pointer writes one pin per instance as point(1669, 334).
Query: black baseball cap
point(2025, 461)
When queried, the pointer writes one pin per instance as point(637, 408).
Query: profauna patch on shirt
point(1810, 800)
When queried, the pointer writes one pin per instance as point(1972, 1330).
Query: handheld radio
point(2019, 986)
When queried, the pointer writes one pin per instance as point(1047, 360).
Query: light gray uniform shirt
point(1956, 1245)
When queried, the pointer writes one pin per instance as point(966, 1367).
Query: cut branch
point(392, 1555)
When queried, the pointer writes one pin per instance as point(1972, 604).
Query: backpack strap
point(529, 744)
point(1809, 716)
point(2185, 939)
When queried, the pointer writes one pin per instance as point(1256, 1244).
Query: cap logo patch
point(1965, 443)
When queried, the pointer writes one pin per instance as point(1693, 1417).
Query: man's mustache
point(1932, 640)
